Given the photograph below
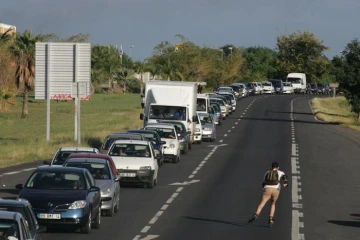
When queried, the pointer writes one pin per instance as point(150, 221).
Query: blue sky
point(145, 23)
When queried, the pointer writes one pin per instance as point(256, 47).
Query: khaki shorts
point(272, 193)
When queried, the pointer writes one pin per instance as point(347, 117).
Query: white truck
point(203, 103)
point(298, 81)
point(171, 100)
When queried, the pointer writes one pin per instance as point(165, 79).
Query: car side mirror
point(46, 162)
point(19, 186)
point(117, 179)
point(162, 142)
point(94, 189)
point(141, 116)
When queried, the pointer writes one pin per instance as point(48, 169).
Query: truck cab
point(298, 81)
point(203, 103)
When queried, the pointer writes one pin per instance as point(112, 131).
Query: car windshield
point(201, 104)
point(267, 84)
point(111, 140)
point(56, 181)
point(204, 118)
point(99, 171)
point(130, 150)
point(224, 89)
point(63, 155)
point(167, 112)
point(294, 80)
point(151, 137)
point(163, 132)
point(179, 127)
point(9, 228)
point(19, 209)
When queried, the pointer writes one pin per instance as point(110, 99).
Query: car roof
point(90, 149)
point(142, 131)
point(10, 215)
point(87, 160)
point(142, 142)
point(126, 134)
point(89, 155)
point(160, 125)
point(59, 169)
point(172, 121)
point(13, 202)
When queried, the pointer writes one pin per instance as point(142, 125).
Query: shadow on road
point(355, 223)
point(10, 191)
point(222, 221)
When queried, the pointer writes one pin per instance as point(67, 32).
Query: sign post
point(63, 72)
point(334, 86)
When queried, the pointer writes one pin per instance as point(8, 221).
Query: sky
point(146, 23)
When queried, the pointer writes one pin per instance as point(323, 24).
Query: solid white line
point(170, 200)
point(221, 141)
point(145, 229)
point(164, 207)
point(191, 176)
point(179, 189)
point(11, 173)
point(28, 169)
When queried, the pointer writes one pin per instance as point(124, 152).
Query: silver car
point(105, 180)
point(209, 127)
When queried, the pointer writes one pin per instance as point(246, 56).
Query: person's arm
point(284, 178)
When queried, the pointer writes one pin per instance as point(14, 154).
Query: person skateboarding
point(271, 189)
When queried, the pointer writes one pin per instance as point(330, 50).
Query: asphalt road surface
point(213, 191)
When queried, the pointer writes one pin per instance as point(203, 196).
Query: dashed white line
point(164, 207)
point(225, 135)
point(229, 131)
point(191, 176)
point(145, 229)
point(233, 127)
point(194, 172)
point(221, 141)
point(170, 200)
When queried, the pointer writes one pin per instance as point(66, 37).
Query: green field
point(24, 140)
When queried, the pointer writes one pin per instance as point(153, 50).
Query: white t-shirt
point(281, 173)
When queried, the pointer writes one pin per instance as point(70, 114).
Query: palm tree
point(24, 52)
point(6, 36)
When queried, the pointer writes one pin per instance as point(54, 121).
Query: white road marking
point(294, 191)
point(233, 126)
point(170, 200)
point(194, 172)
point(229, 131)
point(293, 150)
point(149, 237)
point(164, 207)
point(293, 165)
point(221, 141)
point(156, 217)
point(236, 122)
point(145, 229)
point(191, 176)
point(198, 168)
point(225, 135)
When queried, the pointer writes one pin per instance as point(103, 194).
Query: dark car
point(154, 138)
point(314, 89)
point(105, 179)
point(278, 85)
point(63, 196)
point(24, 207)
point(183, 134)
point(119, 136)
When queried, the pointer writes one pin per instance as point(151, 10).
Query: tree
point(52, 37)
point(261, 61)
point(302, 52)
point(349, 77)
point(24, 52)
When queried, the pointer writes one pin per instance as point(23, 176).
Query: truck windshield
point(167, 112)
point(294, 80)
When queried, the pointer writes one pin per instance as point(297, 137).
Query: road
point(214, 189)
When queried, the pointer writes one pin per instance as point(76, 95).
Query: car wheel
point(111, 211)
point(87, 227)
point(97, 222)
point(117, 204)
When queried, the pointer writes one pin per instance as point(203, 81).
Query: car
point(63, 196)
point(155, 139)
point(167, 133)
point(23, 207)
point(13, 226)
point(64, 152)
point(227, 102)
point(209, 127)
point(214, 115)
point(104, 177)
point(118, 136)
point(136, 161)
point(278, 85)
point(184, 136)
point(288, 88)
point(217, 108)
point(224, 108)
point(268, 88)
point(232, 99)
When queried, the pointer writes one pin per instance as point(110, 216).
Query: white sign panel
point(60, 65)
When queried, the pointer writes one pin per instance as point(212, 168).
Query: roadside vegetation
point(25, 141)
point(117, 83)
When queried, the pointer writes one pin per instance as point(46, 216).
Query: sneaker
point(255, 216)
point(271, 222)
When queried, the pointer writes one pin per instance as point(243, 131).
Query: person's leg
point(274, 196)
point(266, 196)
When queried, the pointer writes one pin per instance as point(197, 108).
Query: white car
point(64, 152)
point(136, 161)
point(209, 127)
point(198, 130)
point(268, 88)
point(288, 88)
point(167, 133)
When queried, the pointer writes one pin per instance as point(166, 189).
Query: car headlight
point(105, 192)
point(145, 168)
point(207, 129)
point(198, 129)
point(172, 145)
point(78, 204)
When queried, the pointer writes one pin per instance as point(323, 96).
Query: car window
point(63, 155)
point(56, 181)
point(90, 179)
point(9, 228)
point(99, 171)
point(25, 229)
point(19, 209)
point(163, 132)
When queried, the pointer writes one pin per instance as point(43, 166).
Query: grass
point(335, 110)
point(24, 140)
